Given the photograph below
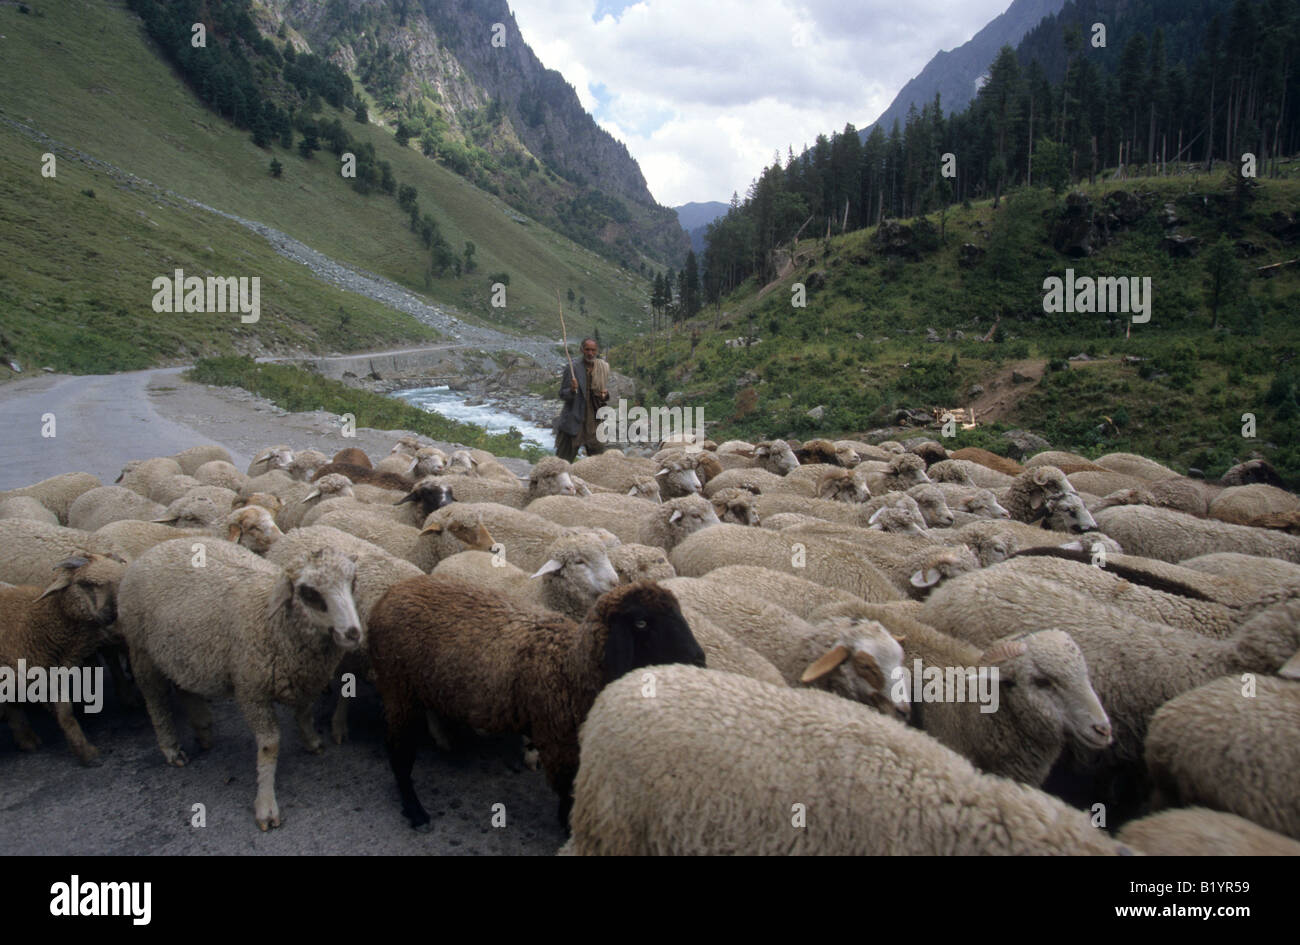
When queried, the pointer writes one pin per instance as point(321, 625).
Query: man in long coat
point(583, 396)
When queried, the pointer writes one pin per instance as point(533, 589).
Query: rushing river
point(451, 404)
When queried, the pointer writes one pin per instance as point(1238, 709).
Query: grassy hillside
point(860, 347)
point(80, 71)
point(81, 251)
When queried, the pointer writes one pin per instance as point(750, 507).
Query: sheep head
point(643, 626)
point(735, 506)
point(933, 505)
point(840, 485)
point(1044, 675)
point(429, 461)
point(85, 588)
point(1067, 513)
point(685, 515)
point(320, 585)
point(330, 486)
point(577, 571)
point(431, 494)
point(254, 528)
point(866, 663)
point(678, 476)
point(551, 476)
point(940, 564)
point(984, 504)
point(776, 456)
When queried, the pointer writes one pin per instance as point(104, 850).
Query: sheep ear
point(409, 497)
point(662, 472)
point(233, 532)
point(165, 521)
point(876, 514)
point(1073, 546)
point(898, 639)
point(677, 513)
point(433, 528)
point(1036, 501)
point(1001, 652)
point(280, 597)
point(927, 578)
point(828, 661)
point(67, 568)
point(548, 568)
point(310, 495)
point(1291, 668)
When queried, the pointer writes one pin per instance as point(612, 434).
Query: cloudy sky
point(703, 92)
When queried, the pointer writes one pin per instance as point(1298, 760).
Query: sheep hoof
point(29, 744)
point(205, 740)
point(177, 757)
point(90, 757)
point(339, 735)
point(419, 818)
point(316, 748)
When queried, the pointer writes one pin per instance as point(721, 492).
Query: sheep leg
point(401, 741)
point(24, 735)
point(437, 730)
point(153, 685)
point(128, 693)
point(86, 753)
point(261, 719)
point(200, 716)
point(306, 727)
point(339, 720)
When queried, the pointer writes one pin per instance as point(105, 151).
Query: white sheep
point(897, 475)
point(576, 572)
point(25, 507)
point(856, 660)
point(1232, 744)
point(1173, 536)
point(191, 459)
point(237, 625)
point(29, 550)
point(668, 524)
point(1196, 831)
point(141, 475)
point(634, 562)
point(220, 473)
point(833, 564)
point(757, 769)
point(108, 504)
point(736, 506)
point(58, 492)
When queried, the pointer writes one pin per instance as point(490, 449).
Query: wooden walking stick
point(564, 336)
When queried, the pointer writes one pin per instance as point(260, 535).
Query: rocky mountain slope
point(954, 74)
point(476, 98)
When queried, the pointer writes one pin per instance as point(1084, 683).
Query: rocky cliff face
point(498, 108)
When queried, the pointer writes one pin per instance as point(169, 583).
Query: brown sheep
point(444, 646)
point(362, 474)
point(354, 457)
point(989, 459)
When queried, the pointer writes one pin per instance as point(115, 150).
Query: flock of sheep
point(715, 650)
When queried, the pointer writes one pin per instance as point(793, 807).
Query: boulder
point(895, 239)
point(817, 412)
point(1183, 247)
point(1022, 443)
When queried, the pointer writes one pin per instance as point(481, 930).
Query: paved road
point(343, 802)
point(100, 422)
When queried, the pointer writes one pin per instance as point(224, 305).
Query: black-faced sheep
point(444, 646)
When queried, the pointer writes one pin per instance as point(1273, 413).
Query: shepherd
point(583, 392)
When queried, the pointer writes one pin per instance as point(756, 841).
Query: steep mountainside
point(476, 98)
point(954, 74)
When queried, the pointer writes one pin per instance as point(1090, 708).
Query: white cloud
point(703, 93)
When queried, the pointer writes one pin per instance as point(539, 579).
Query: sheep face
point(776, 457)
point(430, 494)
point(646, 488)
point(908, 470)
point(254, 528)
point(941, 565)
point(321, 585)
point(305, 463)
point(686, 516)
point(1043, 675)
point(992, 549)
point(277, 457)
point(551, 476)
point(933, 505)
point(86, 587)
point(735, 506)
point(679, 479)
point(330, 486)
point(903, 517)
point(581, 566)
point(266, 500)
point(864, 664)
point(192, 511)
point(408, 445)
point(461, 462)
point(985, 504)
point(842, 486)
point(1068, 513)
point(645, 628)
point(429, 461)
